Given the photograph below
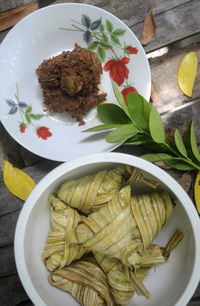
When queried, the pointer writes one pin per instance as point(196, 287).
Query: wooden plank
point(132, 12)
point(8, 266)
point(12, 292)
point(10, 4)
point(172, 25)
point(164, 75)
point(11, 17)
point(7, 228)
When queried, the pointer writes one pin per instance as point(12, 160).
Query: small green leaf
point(179, 143)
point(109, 26)
point(104, 38)
point(27, 117)
point(139, 110)
point(157, 157)
point(122, 133)
point(101, 127)
point(112, 113)
point(29, 109)
point(101, 28)
point(101, 54)
point(179, 164)
point(115, 39)
point(193, 142)
point(139, 139)
point(119, 32)
point(119, 97)
point(174, 162)
point(156, 127)
point(105, 45)
point(93, 45)
point(36, 116)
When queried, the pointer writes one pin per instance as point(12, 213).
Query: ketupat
point(91, 192)
point(125, 227)
point(85, 281)
point(58, 253)
point(126, 281)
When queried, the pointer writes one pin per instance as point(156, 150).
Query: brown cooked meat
point(69, 82)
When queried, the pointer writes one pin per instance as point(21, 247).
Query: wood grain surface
point(175, 21)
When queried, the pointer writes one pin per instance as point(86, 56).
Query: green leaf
point(105, 45)
point(122, 133)
point(193, 142)
point(101, 54)
point(93, 45)
point(29, 109)
point(101, 28)
point(104, 38)
point(36, 116)
point(101, 127)
point(157, 157)
point(139, 139)
point(156, 127)
point(179, 143)
point(139, 110)
point(179, 164)
point(119, 32)
point(27, 117)
point(111, 113)
point(115, 39)
point(174, 162)
point(119, 97)
point(109, 26)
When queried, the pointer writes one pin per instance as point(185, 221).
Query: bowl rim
point(110, 157)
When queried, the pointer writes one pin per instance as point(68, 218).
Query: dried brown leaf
point(185, 181)
point(162, 165)
point(149, 28)
point(154, 94)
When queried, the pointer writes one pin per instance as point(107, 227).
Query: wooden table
point(177, 33)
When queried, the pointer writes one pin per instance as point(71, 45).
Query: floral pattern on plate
point(27, 117)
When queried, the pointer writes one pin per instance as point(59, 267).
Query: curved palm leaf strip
point(125, 281)
point(91, 192)
point(121, 286)
point(125, 227)
point(85, 281)
point(58, 253)
point(150, 213)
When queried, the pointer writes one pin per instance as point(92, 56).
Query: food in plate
point(114, 236)
point(69, 82)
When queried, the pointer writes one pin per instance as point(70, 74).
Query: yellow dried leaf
point(187, 73)
point(18, 182)
point(197, 191)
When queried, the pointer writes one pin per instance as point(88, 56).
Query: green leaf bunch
point(30, 116)
point(138, 123)
point(108, 37)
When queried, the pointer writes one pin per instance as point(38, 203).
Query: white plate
point(38, 37)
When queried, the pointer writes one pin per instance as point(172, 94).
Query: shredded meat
point(69, 82)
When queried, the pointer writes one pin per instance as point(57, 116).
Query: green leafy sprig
point(138, 123)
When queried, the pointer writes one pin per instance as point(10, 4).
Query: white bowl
point(172, 283)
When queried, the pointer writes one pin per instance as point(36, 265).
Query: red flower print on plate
point(127, 90)
point(43, 132)
point(118, 70)
point(132, 50)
